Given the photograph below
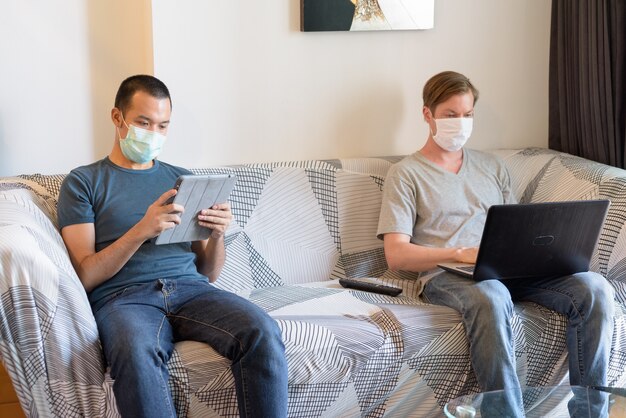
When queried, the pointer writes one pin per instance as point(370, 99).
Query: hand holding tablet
point(195, 193)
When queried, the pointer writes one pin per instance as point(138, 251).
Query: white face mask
point(452, 133)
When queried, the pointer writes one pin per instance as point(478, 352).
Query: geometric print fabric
point(297, 226)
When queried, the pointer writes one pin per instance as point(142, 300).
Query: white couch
point(299, 226)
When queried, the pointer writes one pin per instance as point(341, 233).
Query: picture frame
point(366, 15)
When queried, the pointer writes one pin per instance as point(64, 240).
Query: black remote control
point(370, 287)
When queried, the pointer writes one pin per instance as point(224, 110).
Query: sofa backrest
point(303, 222)
point(541, 175)
point(307, 221)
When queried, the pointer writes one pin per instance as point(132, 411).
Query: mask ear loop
point(119, 134)
point(124, 120)
point(432, 117)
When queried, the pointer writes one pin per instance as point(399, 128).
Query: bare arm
point(210, 254)
point(94, 268)
point(401, 254)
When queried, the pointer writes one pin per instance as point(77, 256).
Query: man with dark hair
point(146, 297)
point(148, 84)
point(434, 208)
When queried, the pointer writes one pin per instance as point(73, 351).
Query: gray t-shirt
point(438, 208)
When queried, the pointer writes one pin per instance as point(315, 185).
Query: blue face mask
point(141, 145)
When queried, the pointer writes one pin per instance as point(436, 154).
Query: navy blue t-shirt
point(114, 199)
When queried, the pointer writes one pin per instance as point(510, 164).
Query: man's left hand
point(217, 218)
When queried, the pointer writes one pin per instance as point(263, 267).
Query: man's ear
point(427, 114)
point(116, 117)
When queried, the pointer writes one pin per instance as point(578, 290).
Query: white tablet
point(196, 192)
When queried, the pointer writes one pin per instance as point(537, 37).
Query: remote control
point(370, 287)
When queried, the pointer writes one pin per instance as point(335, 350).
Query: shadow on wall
point(102, 63)
point(120, 45)
point(370, 121)
point(294, 15)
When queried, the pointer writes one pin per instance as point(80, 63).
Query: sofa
point(298, 227)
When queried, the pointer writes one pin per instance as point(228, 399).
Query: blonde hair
point(444, 85)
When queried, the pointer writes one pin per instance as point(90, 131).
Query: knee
point(264, 335)
point(492, 299)
point(264, 344)
point(128, 361)
point(600, 287)
point(598, 295)
point(132, 352)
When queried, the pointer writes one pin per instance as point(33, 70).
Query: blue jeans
point(139, 326)
point(486, 307)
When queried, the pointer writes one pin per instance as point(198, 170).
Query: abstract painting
point(360, 15)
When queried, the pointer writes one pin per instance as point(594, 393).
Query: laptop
point(536, 240)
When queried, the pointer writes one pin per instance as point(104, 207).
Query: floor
point(9, 405)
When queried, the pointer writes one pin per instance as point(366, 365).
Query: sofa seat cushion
point(349, 353)
point(347, 350)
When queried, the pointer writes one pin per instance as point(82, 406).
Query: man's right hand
point(467, 255)
point(160, 216)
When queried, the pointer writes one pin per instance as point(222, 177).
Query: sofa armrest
point(48, 337)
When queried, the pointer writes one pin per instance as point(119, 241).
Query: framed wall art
point(359, 15)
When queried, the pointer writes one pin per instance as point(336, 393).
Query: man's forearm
point(411, 257)
point(101, 266)
point(211, 258)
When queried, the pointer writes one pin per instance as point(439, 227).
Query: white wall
point(61, 64)
point(249, 86)
point(43, 77)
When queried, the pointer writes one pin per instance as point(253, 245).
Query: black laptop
point(549, 239)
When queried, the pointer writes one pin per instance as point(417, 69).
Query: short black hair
point(140, 82)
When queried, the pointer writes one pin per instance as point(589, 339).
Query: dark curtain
point(587, 74)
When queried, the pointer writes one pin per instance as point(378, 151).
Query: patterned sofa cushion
point(298, 226)
point(542, 175)
point(303, 222)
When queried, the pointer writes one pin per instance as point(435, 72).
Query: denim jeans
point(486, 307)
point(139, 326)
